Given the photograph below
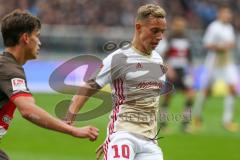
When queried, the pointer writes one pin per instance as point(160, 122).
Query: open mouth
point(154, 44)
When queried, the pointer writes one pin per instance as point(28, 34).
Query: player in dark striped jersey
point(20, 31)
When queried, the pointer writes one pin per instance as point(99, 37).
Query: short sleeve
point(111, 68)
point(104, 76)
point(13, 84)
point(209, 36)
point(231, 36)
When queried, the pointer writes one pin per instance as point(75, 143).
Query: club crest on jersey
point(6, 119)
point(139, 66)
point(163, 68)
point(18, 84)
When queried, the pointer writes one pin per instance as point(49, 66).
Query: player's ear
point(138, 27)
point(25, 38)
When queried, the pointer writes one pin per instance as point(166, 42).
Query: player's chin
point(35, 55)
point(153, 46)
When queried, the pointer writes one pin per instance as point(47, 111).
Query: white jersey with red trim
point(219, 33)
point(136, 81)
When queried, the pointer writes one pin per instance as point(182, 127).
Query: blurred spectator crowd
point(199, 13)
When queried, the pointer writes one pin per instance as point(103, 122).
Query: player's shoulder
point(118, 54)
point(218, 25)
point(8, 68)
point(123, 51)
point(214, 25)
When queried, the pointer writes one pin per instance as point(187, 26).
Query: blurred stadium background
point(77, 27)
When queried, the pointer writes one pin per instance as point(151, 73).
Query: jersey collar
point(9, 55)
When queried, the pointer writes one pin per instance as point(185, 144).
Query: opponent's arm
point(30, 111)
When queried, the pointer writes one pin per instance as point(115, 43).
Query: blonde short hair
point(150, 10)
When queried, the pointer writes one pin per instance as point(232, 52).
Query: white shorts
point(123, 145)
point(227, 73)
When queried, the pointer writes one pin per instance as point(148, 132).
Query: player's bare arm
point(30, 111)
point(78, 100)
point(221, 48)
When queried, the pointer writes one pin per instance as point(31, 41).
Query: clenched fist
point(89, 132)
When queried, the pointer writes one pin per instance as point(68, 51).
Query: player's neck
point(17, 53)
point(139, 48)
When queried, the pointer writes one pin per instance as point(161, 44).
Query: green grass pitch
point(25, 141)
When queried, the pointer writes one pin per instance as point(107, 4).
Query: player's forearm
point(212, 47)
point(78, 101)
point(43, 119)
point(229, 46)
point(30, 111)
point(220, 48)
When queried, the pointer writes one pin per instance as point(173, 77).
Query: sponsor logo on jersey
point(150, 85)
point(6, 119)
point(18, 84)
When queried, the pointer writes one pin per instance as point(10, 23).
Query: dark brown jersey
point(12, 84)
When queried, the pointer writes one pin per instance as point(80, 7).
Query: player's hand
point(99, 152)
point(89, 132)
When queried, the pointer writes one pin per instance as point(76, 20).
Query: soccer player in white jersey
point(136, 76)
point(219, 40)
